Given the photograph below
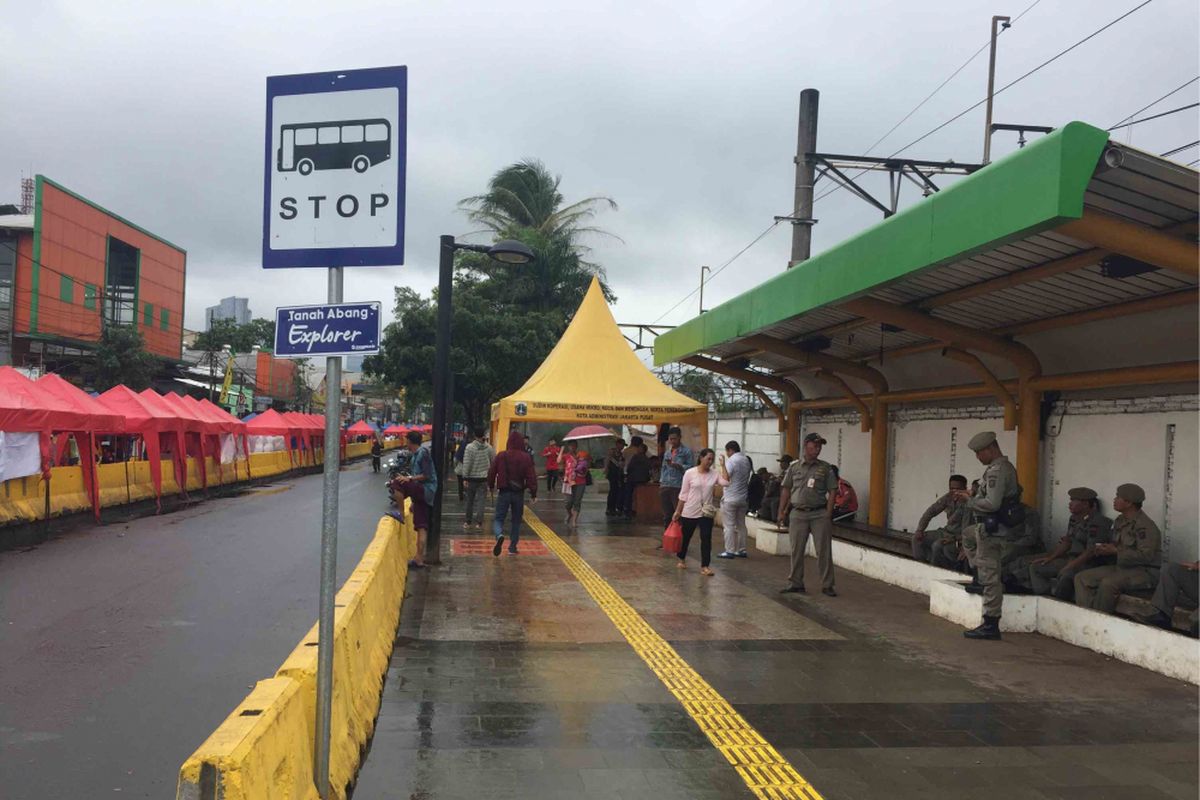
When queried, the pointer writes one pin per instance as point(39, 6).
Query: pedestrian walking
point(459, 448)
point(735, 468)
point(808, 488)
point(511, 474)
point(476, 465)
point(696, 508)
point(376, 455)
point(581, 476)
point(551, 453)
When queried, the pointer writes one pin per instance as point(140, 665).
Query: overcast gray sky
point(685, 114)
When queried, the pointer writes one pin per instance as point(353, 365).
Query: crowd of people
point(987, 530)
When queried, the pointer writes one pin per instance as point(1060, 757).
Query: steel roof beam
point(989, 379)
point(1136, 241)
point(768, 344)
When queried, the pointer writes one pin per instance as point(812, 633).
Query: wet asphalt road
point(123, 646)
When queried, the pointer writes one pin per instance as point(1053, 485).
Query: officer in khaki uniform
point(808, 487)
point(998, 493)
point(1137, 544)
point(1054, 573)
point(940, 548)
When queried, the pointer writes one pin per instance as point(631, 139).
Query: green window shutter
point(164, 319)
point(66, 289)
point(148, 315)
point(89, 297)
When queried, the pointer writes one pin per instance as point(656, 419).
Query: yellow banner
point(228, 379)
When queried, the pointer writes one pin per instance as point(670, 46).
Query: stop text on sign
point(327, 330)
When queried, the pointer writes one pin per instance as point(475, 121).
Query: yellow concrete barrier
point(365, 619)
point(262, 750)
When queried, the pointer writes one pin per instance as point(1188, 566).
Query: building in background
point(234, 308)
point(69, 268)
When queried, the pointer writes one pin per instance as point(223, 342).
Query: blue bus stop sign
point(333, 329)
point(334, 169)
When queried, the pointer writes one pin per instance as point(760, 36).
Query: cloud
point(685, 114)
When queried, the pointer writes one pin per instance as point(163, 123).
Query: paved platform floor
point(508, 680)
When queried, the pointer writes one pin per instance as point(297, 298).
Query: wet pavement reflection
point(508, 681)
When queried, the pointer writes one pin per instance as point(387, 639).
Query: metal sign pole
point(329, 532)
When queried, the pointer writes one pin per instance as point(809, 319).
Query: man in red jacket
point(510, 475)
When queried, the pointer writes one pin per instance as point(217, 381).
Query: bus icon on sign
point(357, 144)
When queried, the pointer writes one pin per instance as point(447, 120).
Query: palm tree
point(525, 196)
point(523, 202)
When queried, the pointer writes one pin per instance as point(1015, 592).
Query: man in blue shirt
point(420, 487)
point(676, 460)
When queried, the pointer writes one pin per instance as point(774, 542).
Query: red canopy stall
point(27, 408)
point(157, 426)
point(102, 420)
point(272, 423)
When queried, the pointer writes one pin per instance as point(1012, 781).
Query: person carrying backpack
point(510, 475)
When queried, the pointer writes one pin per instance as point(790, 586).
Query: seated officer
point(770, 503)
point(1054, 573)
point(940, 548)
point(1178, 582)
point(1137, 544)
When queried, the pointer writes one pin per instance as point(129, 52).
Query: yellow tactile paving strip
point(765, 771)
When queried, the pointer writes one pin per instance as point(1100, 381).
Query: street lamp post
point(507, 251)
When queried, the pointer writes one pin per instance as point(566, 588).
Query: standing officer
point(1054, 572)
point(808, 487)
point(993, 513)
point(1137, 544)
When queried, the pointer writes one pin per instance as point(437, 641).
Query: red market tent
point(102, 421)
point(272, 423)
point(160, 429)
point(195, 430)
point(395, 430)
point(26, 407)
point(361, 428)
point(229, 424)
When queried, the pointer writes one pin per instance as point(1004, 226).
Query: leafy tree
point(121, 358)
point(506, 318)
point(241, 338)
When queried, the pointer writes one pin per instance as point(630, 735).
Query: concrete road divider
point(231, 763)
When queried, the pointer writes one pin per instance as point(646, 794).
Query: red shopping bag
point(673, 538)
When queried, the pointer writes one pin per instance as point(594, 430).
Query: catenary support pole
point(329, 532)
point(987, 117)
point(806, 142)
point(441, 365)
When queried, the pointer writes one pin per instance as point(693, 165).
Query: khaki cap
point(1081, 493)
point(1131, 493)
point(982, 440)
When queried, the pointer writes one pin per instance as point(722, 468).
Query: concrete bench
point(878, 537)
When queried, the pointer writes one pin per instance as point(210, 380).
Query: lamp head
point(510, 251)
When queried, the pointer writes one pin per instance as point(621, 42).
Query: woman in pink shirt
point(697, 507)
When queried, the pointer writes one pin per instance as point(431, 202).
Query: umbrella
point(587, 432)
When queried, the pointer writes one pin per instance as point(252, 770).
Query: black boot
point(1159, 620)
point(990, 629)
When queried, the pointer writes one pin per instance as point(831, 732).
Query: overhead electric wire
point(1154, 116)
point(1013, 83)
point(719, 269)
point(1156, 102)
point(941, 86)
point(877, 142)
point(1180, 149)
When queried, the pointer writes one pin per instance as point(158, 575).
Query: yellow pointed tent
point(592, 376)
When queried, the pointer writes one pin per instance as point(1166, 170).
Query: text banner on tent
point(333, 329)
